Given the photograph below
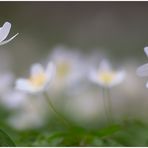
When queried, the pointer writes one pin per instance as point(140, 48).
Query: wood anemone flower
point(105, 76)
point(39, 79)
point(4, 31)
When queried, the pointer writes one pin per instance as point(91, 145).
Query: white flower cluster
point(66, 70)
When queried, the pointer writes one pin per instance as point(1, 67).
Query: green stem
point(55, 111)
point(107, 104)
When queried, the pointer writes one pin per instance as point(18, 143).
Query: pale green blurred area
point(117, 30)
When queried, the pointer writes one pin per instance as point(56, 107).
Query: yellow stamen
point(106, 77)
point(38, 79)
point(63, 69)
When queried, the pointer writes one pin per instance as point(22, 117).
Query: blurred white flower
point(13, 99)
point(23, 121)
point(4, 31)
point(105, 76)
point(6, 80)
point(39, 79)
point(26, 111)
point(143, 70)
point(9, 97)
point(70, 68)
point(31, 114)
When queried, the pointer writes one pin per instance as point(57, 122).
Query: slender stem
point(55, 111)
point(107, 104)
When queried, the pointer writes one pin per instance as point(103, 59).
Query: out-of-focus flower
point(105, 76)
point(13, 99)
point(23, 121)
point(4, 31)
point(69, 67)
point(143, 70)
point(6, 80)
point(26, 112)
point(9, 97)
point(32, 113)
point(39, 79)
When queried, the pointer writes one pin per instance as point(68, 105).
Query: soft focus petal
point(6, 41)
point(4, 31)
point(6, 81)
point(50, 71)
point(104, 65)
point(23, 84)
point(146, 51)
point(142, 70)
point(13, 99)
point(147, 85)
point(36, 68)
point(93, 76)
point(25, 120)
point(118, 79)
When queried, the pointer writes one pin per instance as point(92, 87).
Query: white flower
point(105, 76)
point(6, 80)
point(69, 67)
point(13, 99)
point(143, 70)
point(39, 79)
point(4, 31)
point(29, 113)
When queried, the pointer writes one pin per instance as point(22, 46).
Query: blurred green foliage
point(127, 133)
point(131, 133)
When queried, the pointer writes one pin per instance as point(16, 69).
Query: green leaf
point(50, 139)
point(5, 140)
point(107, 131)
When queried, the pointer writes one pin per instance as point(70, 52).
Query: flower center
point(38, 79)
point(107, 77)
point(63, 69)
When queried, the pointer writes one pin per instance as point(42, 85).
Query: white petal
point(146, 51)
point(142, 70)
point(104, 65)
point(147, 85)
point(118, 78)
point(14, 99)
point(6, 41)
point(22, 83)
point(93, 76)
point(50, 71)
point(4, 31)
point(36, 68)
